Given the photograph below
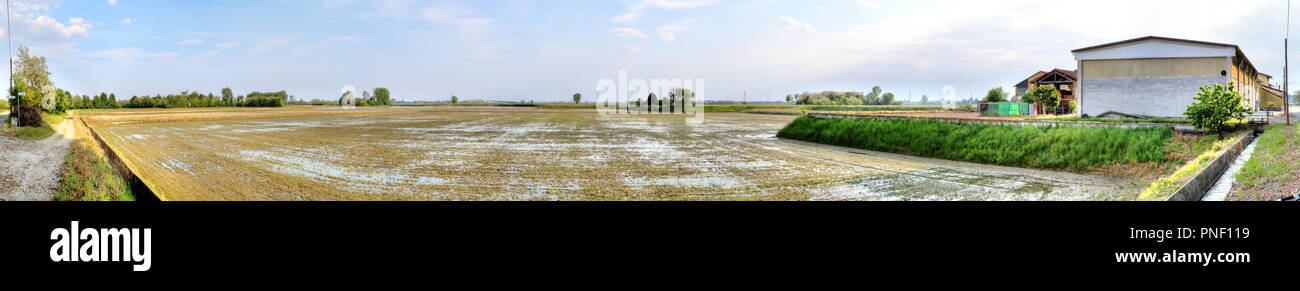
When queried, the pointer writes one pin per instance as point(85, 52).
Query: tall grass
point(1057, 147)
point(88, 177)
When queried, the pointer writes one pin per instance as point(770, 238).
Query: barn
point(1160, 76)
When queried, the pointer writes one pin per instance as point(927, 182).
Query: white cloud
point(44, 29)
point(632, 49)
point(226, 45)
point(191, 42)
point(869, 4)
point(635, 11)
point(791, 23)
point(267, 46)
point(625, 32)
point(128, 20)
point(112, 2)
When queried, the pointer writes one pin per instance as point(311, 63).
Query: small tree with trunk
point(1215, 106)
point(577, 98)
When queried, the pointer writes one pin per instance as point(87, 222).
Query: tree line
point(193, 99)
point(875, 97)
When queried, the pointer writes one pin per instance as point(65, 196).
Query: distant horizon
point(754, 50)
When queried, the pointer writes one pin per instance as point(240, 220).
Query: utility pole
point(10, 32)
point(1286, 65)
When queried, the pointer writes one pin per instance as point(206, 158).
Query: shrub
point(1214, 107)
point(1057, 147)
point(996, 95)
point(1047, 97)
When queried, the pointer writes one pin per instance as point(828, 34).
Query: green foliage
point(187, 99)
point(577, 98)
point(32, 72)
point(34, 132)
point(1047, 97)
point(872, 108)
point(1273, 161)
point(875, 97)
point(996, 95)
point(1117, 120)
point(382, 97)
point(454, 99)
point(1215, 107)
point(88, 177)
point(1057, 147)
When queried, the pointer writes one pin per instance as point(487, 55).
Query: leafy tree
point(996, 95)
point(33, 71)
point(887, 99)
point(1047, 97)
point(789, 98)
point(227, 96)
point(454, 100)
point(925, 99)
point(577, 98)
point(872, 98)
point(1215, 107)
point(382, 97)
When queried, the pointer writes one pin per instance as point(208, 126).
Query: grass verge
point(1055, 147)
point(34, 132)
point(87, 176)
point(1272, 170)
point(1117, 120)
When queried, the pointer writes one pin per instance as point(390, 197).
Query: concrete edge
point(1200, 184)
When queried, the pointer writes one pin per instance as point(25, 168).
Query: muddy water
point(515, 154)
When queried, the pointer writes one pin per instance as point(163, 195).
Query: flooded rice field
point(548, 155)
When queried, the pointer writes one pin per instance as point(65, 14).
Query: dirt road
point(28, 168)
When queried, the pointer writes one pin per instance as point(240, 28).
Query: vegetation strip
point(139, 189)
point(1272, 170)
point(1052, 147)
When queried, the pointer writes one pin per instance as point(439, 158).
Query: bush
point(1057, 147)
point(30, 116)
point(1214, 107)
point(996, 95)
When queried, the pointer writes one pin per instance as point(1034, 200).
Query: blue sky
point(547, 50)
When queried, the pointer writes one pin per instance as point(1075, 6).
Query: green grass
point(1208, 147)
point(34, 132)
point(1274, 157)
point(1055, 147)
point(88, 177)
point(1117, 120)
point(872, 107)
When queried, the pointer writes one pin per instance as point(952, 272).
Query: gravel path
point(28, 168)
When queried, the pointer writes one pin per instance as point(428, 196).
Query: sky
point(546, 50)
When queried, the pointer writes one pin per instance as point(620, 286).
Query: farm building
point(1064, 80)
point(1160, 76)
